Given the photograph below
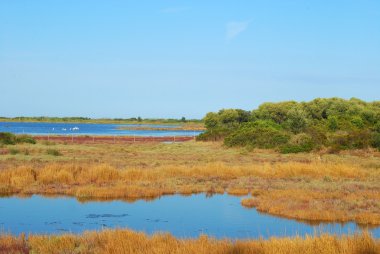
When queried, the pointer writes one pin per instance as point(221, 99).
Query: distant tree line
point(291, 127)
point(99, 120)
point(45, 119)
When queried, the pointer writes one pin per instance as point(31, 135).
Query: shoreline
point(82, 139)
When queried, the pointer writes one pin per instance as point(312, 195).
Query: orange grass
point(310, 191)
point(88, 179)
point(303, 186)
point(127, 241)
point(360, 206)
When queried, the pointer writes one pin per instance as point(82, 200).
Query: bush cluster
point(7, 138)
point(293, 127)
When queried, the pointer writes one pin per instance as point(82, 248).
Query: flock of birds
point(70, 129)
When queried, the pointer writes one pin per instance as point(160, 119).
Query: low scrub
point(299, 143)
point(13, 151)
point(25, 139)
point(53, 152)
point(260, 134)
point(7, 138)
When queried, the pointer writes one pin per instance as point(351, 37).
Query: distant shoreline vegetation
point(334, 124)
point(133, 120)
point(181, 127)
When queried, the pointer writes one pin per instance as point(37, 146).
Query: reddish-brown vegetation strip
point(112, 139)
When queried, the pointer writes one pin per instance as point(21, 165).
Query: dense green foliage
point(292, 127)
point(7, 138)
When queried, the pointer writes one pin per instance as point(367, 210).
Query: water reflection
point(216, 215)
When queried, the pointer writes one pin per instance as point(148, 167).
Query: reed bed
point(81, 174)
point(302, 186)
point(126, 241)
point(318, 191)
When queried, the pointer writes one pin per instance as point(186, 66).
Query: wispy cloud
point(174, 9)
point(233, 29)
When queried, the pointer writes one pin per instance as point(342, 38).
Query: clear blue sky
point(164, 58)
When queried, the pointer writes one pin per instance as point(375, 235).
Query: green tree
point(297, 120)
point(211, 120)
point(333, 124)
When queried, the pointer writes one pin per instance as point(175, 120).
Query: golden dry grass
point(310, 191)
point(127, 241)
point(303, 186)
point(361, 207)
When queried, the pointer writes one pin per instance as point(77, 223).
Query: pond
point(36, 128)
point(219, 216)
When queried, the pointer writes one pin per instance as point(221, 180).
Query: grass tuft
point(53, 152)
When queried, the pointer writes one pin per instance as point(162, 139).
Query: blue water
point(219, 216)
point(89, 129)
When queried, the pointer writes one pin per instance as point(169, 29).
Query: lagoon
point(43, 128)
point(219, 216)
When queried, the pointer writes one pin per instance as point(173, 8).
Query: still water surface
point(219, 216)
point(35, 128)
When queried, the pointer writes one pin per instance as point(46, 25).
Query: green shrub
point(53, 152)
point(7, 138)
point(259, 134)
point(357, 121)
point(332, 122)
point(318, 134)
point(25, 139)
point(376, 127)
point(214, 134)
point(297, 121)
point(298, 144)
point(360, 139)
point(376, 140)
point(13, 151)
point(350, 140)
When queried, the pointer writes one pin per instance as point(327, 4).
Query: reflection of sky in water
point(89, 129)
point(220, 216)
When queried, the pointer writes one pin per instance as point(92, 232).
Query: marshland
point(324, 191)
point(225, 127)
point(314, 188)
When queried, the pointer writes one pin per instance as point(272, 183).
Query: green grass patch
point(53, 152)
point(13, 151)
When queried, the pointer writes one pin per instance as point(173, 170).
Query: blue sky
point(166, 58)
